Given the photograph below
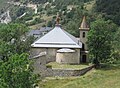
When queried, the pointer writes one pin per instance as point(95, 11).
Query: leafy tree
point(72, 28)
point(50, 24)
point(20, 11)
point(13, 39)
point(40, 8)
point(116, 47)
point(117, 40)
point(100, 39)
point(12, 30)
point(17, 72)
point(4, 50)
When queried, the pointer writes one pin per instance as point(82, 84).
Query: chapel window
point(83, 34)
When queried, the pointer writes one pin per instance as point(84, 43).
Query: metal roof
point(39, 31)
point(34, 32)
point(45, 29)
point(57, 38)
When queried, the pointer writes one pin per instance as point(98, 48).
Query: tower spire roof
point(84, 24)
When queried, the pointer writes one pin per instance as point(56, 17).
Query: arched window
point(83, 34)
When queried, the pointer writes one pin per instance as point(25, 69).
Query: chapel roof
point(57, 38)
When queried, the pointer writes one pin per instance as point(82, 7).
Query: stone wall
point(68, 72)
point(39, 64)
point(37, 51)
point(68, 57)
point(50, 53)
point(40, 68)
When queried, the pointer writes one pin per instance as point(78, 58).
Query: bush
point(28, 18)
point(20, 11)
point(49, 66)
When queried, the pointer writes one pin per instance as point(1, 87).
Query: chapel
point(62, 47)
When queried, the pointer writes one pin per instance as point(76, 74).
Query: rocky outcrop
point(5, 17)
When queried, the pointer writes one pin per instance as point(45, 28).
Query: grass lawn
point(106, 77)
point(67, 66)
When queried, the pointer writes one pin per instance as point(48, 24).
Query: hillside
point(106, 77)
point(3, 4)
point(70, 11)
point(111, 10)
point(40, 13)
point(50, 8)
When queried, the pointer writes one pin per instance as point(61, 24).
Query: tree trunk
point(96, 62)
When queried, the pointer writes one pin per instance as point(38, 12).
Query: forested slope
point(110, 9)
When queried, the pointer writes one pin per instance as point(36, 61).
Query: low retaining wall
point(68, 72)
point(40, 68)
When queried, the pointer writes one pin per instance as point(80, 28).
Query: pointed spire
point(84, 24)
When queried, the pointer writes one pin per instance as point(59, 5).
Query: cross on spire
point(57, 19)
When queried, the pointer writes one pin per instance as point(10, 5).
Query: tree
point(116, 46)
point(13, 39)
point(50, 24)
point(110, 11)
point(4, 50)
point(117, 40)
point(100, 39)
point(12, 30)
point(72, 28)
point(17, 72)
point(20, 11)
point(15, 67)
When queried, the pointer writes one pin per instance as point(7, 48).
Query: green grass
point(106, 77)
point(67, 66)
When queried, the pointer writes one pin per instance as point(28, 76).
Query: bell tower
point(84, 29)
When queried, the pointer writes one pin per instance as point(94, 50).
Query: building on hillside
point(45, 30)
point(39, 32)
point(62, 47)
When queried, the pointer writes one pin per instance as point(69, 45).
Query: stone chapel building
point(62, 47)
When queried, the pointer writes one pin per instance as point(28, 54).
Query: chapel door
point(84, 58)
